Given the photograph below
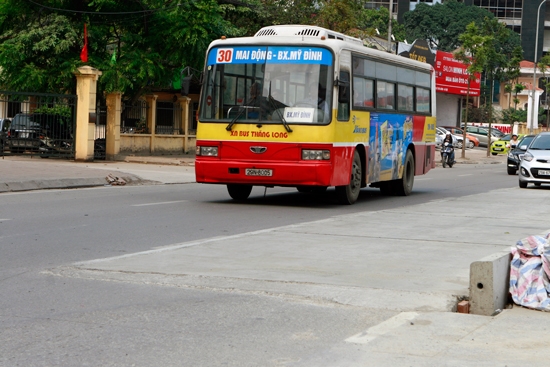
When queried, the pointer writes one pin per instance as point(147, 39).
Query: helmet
point(448, 133)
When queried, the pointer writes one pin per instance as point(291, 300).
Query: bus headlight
point(315, 155)
point(206, 151)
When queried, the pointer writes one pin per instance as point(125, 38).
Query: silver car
point(535, 166)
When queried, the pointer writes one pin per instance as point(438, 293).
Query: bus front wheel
point(404, 185)
point(239, 192)
point(349, 193)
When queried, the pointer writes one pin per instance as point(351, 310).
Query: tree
point(139, 46)
point(441, 24)
point(492, 48)
point(339, 15)
point(373, 22)
point(518, 88)
point(471, 54)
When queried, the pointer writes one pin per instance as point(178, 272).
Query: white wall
point(447, 109)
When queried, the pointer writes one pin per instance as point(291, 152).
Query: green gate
point(37, 124)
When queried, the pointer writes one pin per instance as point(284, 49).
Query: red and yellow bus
point(306, 107)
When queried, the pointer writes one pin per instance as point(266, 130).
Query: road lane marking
point(469, 174)
point(161, 203)
point(383, 328)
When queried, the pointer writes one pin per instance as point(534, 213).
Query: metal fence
point(100, 134)
point(37, 124)
point(133, 117)
point(168, 118)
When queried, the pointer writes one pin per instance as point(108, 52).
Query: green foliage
point(34, 50)
point(58, 110)
point(339, 15)
point(490, 49)
point(153, 40)
point(442, 24)
point(370, 20)
point(511, 115)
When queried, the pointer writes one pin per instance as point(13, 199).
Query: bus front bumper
point(302, 173)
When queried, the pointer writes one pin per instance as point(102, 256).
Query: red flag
point(84, 52)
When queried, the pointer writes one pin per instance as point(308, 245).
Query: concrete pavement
point(369, 260)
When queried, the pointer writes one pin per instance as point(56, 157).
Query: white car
point(440, 135)
point(534, 168)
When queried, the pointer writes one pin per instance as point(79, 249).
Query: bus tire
point(348, 194)
point(404, 185)
point(239, 192)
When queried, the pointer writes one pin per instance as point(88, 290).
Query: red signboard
point(452, 76)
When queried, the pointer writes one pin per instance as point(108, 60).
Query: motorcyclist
point(449, 140)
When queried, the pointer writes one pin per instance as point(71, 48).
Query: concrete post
point(112, 136)
point(152, 117)
point(489, 284)
point(86, 87)
point(184, 105)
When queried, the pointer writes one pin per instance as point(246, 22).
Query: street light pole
point(533, 114)
point(389, 26)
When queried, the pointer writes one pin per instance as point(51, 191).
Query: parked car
point(534, 168)
point(474, 142)
point(482, 133)
point(23, 134)
point(501, 145)
point(457, 139)
point(4, 126)
point(516, 154)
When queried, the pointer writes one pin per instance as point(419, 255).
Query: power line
point(103, 13)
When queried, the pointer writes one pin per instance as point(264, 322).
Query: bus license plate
point(258, 172)
point(544, 172)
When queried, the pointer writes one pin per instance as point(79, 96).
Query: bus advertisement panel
point(279, 110)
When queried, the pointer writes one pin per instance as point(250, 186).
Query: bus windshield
point(267, 84)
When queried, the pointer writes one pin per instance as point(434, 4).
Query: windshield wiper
point(275, 109)
point(239, 114)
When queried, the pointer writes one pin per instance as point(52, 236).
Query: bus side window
point(343, 96)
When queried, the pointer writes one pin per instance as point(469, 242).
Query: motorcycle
point(446, 155)
point(55, 147)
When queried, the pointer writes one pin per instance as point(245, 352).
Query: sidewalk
point(23, 173)
point(407, 265)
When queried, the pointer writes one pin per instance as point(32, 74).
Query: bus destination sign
point(271, 54)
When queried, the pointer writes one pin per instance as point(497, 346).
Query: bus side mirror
point(185, 84)
point(343, 88)
point(343, 94)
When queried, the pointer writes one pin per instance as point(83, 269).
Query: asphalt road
point(49, 320)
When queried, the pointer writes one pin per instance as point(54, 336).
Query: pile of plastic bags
point(530, 273)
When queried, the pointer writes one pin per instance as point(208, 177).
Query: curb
point(67, 183)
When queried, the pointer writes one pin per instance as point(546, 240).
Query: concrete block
point(489, 284)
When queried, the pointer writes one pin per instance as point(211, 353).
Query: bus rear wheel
point(348, 194)
point(239, 192)
point(404, 185)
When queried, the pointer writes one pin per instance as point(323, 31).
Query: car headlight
point(528, 157)
point(315, 155)
point(206, 151)
point(510, 155)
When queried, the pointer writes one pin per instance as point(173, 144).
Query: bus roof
point(312, 35)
